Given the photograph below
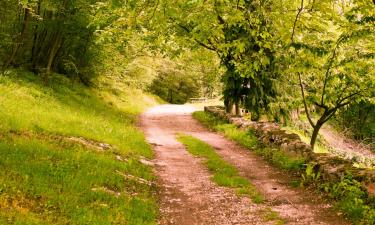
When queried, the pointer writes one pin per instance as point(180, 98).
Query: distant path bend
point(189, 197)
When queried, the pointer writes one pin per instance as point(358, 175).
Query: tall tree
point(239, 32)
point(333, 57)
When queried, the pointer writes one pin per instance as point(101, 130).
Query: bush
point(175, 87)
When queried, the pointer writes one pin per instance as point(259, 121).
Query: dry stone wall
point(331, 167)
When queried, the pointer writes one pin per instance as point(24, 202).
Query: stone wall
point(331, 167)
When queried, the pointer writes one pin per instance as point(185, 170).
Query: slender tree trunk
point(170, 95)
point(56, 43)
point(315, 135)
point(38, 49)
point(53, 52)
point(35, 38)
point(19, 41)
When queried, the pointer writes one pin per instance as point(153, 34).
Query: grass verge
point(44, 180)
point(249, 140)
point(224, 174)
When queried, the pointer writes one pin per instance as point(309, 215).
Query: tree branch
point(321, 106)
point(340, 104)
point(300, 9)
point(332, 112)
point(304, 101)
point(330, 63)
point(347, 98)
point(330, 116)
point(155, 8)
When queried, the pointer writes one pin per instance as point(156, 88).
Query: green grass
point(269, 215)
point(224, 174)
point(319, 147)
point(249, 140)
point(44, 180)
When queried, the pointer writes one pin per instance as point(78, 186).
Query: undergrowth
point(45, 181)
point(351, 199)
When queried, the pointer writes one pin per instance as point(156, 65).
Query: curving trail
point(188, 196)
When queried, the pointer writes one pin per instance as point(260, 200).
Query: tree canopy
point(272, 57)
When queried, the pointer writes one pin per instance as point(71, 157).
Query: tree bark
point(35, 38)
point(228, 105)
point(237, 108)
point(315, 135)
point(52, 53)
point(19, 40)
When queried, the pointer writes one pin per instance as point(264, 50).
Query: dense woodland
point(274, 58)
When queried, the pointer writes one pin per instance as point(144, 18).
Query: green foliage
point(49, 180)
point(238, 31)
point(280, 159)
point(329, 53)
point(352, 200)
point(175, 87)
point(358, 120)
point(224, 174)
point(310, 176)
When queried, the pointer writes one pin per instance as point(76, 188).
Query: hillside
point(70, 154)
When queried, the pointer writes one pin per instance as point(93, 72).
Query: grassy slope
point(44, 180)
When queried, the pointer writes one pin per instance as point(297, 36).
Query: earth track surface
point(188, 196)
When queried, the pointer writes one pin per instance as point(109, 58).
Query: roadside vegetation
point(349, 196)
point(48, 177)
point(248, 139)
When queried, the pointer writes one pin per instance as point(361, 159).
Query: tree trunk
point(52, 53)
point(237, 108)
point(37, 54)
point(228, 105)
point(33, 49)
point(315, 135)
point(170, 95)
point(19, 41)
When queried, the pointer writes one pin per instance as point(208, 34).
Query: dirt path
point(189, 197)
